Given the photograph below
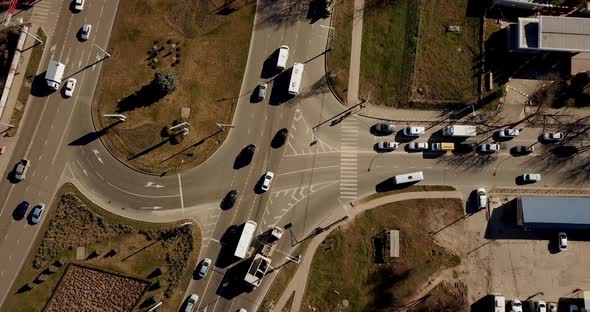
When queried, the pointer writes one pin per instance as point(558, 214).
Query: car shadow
point(430, 154)
point(39, 86)
point(254, 96)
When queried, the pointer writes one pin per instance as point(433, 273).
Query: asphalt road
point(323, 166)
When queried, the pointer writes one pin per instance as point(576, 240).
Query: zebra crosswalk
point(349, 158)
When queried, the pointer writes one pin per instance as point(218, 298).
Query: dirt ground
point(210, 50)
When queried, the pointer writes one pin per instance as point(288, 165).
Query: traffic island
point(202, 46)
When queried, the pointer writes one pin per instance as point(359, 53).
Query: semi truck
point(54, 74)
point(460, 131)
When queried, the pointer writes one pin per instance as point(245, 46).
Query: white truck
point(54, 74)
point(283, 56)
point(296, 76)
point(460, 131)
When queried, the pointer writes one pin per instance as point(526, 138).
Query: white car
point(85, 32)
point(515, 306)
point(191, 303)
point(78, 5)
point(70, 86)
point(553, 136)
point(531, 177)
point(508, 133)
point(482, 198)
point(414, 131)
point(552, 307)
point(489, 147)
point(415, 146)
point(20, 172)
point(268, 176)
point(540, 306)
point(262, 90)
point(37, 213)
point(562, 241)
point(387, 146)
point(204, 267)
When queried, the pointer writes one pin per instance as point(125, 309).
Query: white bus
point(283, 56)
point(408, 177)
point(296, 75)
point(245, 239)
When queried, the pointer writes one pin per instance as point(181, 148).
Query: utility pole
point(103, 50)
point(223, 126)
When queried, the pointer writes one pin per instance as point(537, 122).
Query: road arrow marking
point(97, 154)
point(152, 184)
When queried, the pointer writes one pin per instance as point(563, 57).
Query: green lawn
point(344, 268)
point(338, 58)
point(388, 49)
point(445, 63)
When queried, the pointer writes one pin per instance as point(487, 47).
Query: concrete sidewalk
point(355, 53)
point(298, 283)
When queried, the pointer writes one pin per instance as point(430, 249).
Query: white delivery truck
point(283, 56)
point(245, 239)
point(296, 76)
point(460, 131)
point(54, 74)
point(408, 177)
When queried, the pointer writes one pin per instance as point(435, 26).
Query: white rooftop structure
point(553, 33)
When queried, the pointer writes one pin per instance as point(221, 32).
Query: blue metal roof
point(555, 212)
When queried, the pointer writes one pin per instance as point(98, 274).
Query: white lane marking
point(97, 154)
point(181, 197)
point(308, 169)
point(83, 170)
point(152, 184)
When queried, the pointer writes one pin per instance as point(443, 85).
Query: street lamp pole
point(103, 50)
point(223, 126)
point(8, 125)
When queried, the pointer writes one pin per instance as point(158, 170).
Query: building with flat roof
point(551, 33)
point(553, 213)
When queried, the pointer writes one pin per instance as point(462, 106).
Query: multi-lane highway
point(322, 167)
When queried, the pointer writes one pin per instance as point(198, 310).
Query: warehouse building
point(551, 33)
point(553, 213)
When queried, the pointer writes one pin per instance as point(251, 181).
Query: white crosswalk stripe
point(349, 158)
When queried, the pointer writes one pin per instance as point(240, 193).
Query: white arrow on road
point(152, 184)
point(97, 154)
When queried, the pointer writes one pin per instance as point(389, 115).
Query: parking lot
point(500, 257)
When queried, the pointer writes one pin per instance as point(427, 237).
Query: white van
point(283, 56)
point(408, 177)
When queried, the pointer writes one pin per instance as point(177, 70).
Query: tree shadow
point(146, 96)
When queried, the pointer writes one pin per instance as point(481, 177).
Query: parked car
point(553, 136)
point(70, 86)
point(262, 91)
point(531, 177)
point(387, 146)
point(191, 303)
point(414, 131)
point(540, 306)
point(78, 5)
point(515, 306)
point(85, 32)
point(489, 147)
point(384, 128)
point(574, 308)
point(562, 241)
point(415, 146)
point(522, 150)
point(267, 180)
point(482, 198)
point(20, 171)
point(37, 213)
point(508, 133)
point(204, 267)
point(552, 307)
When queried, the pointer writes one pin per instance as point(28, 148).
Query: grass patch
point(164, 254)
point(338, 58)
point(281, 281)
point(413, 188)
point(343, 266)
point(445, 60)
point(212, 51)
point(388, 49)
point(25, 89)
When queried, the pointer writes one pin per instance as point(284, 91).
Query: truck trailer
point(460, 131)
point(54, 74)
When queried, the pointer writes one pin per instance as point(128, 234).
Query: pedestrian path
point(349, 135)
point(355, 53)
point(46, 14)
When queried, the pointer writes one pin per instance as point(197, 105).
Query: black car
point(522, 150)
point(384, 128)
point(280, 138)
point(230, 199)
point(245, 156)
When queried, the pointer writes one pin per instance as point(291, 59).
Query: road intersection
point(323, 166)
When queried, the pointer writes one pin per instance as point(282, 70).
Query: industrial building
point(551, 33)
point(553, 213)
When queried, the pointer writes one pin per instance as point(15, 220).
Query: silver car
point(262, 91)
point(387, 146)
point(508, 133)
point(37, 213)
point(204, 267)
point(553, 136)
point(191, 303)
point(418, 146)
point(85, 32)
point(489, 147)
